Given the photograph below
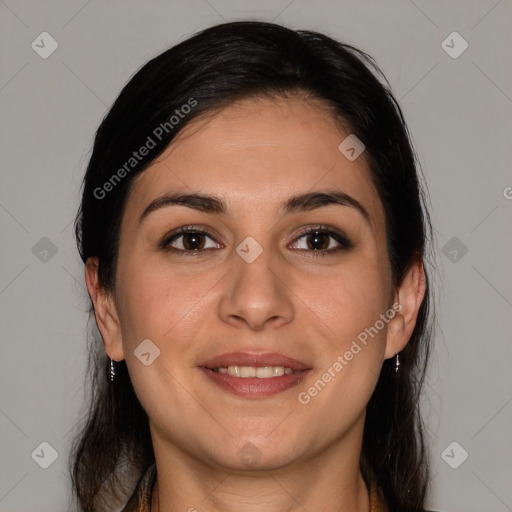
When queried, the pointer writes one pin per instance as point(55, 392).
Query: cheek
point(352, 297)
point(144, 302)
point(158, 305)
point(350, 304)
point(161, 304)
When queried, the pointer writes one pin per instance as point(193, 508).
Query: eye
point(193, 241)
point(320, 240)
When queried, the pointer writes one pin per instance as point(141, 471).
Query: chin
point(253, 454)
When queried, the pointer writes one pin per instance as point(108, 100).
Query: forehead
point(256, 152)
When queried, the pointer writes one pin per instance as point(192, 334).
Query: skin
point(254, 154)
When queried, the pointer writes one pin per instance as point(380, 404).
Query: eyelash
point(345, 243)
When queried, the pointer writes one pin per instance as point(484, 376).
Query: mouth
point(259, 372)
point(254, 375)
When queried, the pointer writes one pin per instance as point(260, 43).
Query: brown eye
point(318, 241)
point(188, 240)
point(193, 241)
point(322, 241)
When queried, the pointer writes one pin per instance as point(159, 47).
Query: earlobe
point(409, 294)
point(105, 311)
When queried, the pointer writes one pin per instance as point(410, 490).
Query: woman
point(254, 232)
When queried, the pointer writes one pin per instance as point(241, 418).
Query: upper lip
point(254, 359)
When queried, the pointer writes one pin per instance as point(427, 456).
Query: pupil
point(315, 237)
point(190, 240)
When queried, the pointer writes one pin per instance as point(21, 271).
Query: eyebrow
point(215, 205)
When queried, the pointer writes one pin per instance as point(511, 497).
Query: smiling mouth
point(254, 381)
point(251, 374)
point(259, 372)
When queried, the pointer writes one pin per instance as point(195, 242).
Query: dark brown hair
point(214, 68)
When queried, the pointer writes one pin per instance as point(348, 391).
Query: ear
point(105, 311)
point(409, 295)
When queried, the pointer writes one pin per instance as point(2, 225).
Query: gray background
point(458, 110)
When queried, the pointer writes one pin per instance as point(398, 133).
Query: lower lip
point(254, 387)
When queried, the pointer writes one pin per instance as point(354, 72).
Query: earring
point(112, 371)
point(397, 363)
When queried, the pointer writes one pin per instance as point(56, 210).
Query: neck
point(360, 502)
point(328, 482)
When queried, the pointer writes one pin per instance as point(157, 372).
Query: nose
point(256, 294)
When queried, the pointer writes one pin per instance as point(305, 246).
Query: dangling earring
point(112, 371)
point(397, 363)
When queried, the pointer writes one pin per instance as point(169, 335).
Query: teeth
point(261, 372)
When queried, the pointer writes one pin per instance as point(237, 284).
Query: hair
point(209, 71)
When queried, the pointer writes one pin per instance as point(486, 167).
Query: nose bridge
point(257, 293)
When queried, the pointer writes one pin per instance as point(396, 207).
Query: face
point(306, 282)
